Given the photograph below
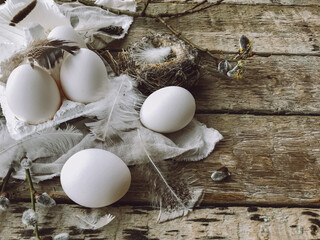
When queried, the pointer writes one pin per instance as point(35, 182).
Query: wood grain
point(139, 223)
point(272, 85)
point(280, 30)
point(253, 2)
point(274, 161)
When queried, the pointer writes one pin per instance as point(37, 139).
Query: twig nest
point(160, 60)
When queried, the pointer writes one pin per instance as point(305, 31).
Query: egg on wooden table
point(32, 94)
point(67, 33)
point(83, 76)
point(95, 178)
point(168, 109)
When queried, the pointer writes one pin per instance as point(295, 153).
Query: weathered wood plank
point(274, 160)
point(139, 223)
point(275, 85)
point(237, 2)
point(272, 85)
point(285, 29)
point(254, 2)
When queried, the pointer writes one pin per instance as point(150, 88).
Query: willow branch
point(199, 4)
point(149, 15)
point(112, 10)
point(160, 17)
point(6, 180)
point(33, 203)
point(192, 10)
point(113, 64)
point(180, 36)
point(143, 12)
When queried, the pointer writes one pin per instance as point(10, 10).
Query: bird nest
point(160, 60)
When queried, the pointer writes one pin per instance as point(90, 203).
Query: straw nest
point(160, 60)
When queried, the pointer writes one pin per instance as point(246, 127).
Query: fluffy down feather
point(118, 111)
point(152, 55)
point(51, 144)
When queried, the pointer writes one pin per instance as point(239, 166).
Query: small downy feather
point(10, 153)
point(9, 65)
point(11, 34)
point(49, 144)
point(152, 55)
point(45, 52)
point(174, 201)
point(117, 111)
point(48, 52)
point(93, 221)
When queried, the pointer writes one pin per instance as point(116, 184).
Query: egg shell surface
point(32, 94)
point(67, 33)
point(83, 76)
point(168, 109)
point(95, 178)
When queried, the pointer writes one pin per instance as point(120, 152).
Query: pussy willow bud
point(61, 236)
point(245, 47)
point(220, 174)
point(29, 218)
point(45, 200)
point(237, 72)
point(26, 163)
point(4, 203)
point(224, 66)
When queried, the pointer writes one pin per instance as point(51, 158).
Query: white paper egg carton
point(88, 21)
point(19, 129)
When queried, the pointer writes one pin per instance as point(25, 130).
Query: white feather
point(53, 142)
point(5, 141)
point(152, 55)
point(93, 221)
point(49, 144)
point(11, 8)
point(11, 34)
point(159, 172)
point(12, 39)
point(171, 205)
point(44, 9)
point(118, 111)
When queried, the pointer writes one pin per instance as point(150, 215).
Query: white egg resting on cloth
point(192, 143)
point(15, 38)
point(86, 20)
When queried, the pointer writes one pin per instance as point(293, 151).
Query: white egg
point(168, 109)
point(95, 178)
point(32, 94)
point(67, 33)
point(83, 76)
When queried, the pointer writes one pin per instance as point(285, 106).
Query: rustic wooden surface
point(140, 223)
point(269, 120)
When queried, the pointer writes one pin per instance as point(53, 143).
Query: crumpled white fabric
point(87, 20)
point(192, 143)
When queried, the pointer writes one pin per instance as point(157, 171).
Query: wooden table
point(270, 123)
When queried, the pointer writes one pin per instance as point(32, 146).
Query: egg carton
point(69, 110)
point(19, 129)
